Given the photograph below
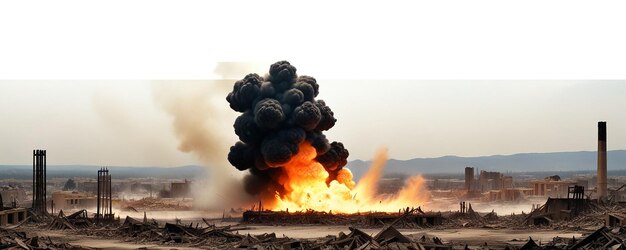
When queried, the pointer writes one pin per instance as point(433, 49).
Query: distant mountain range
point(526, 162)
point(517, 163)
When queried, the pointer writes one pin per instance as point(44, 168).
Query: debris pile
point(134, 230)
point(605, 222)
point(603, 238)
point(559, 209)
point(492, 216)
point(406, 218)
point(593, 216)
point(301, 217)
point(467, 217)
point(228, 237)
point(73, 221)
point(18, 240)
point(388, 238)
point(133, 227)
point(409, 218)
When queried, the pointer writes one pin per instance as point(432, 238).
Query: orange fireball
point(305, 187)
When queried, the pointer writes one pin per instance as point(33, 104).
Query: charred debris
point(603, 222)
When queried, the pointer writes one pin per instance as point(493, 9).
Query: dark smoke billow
point(279, 112)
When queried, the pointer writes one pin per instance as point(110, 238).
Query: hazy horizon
point(124, 123)
point(350, 160)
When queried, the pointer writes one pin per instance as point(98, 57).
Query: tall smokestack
point(602, 190)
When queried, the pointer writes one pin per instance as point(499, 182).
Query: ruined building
point(551, 187)
point(180, 189)
point(12, 194)
point(489, 180)
point(72, 200)
point(469, 179)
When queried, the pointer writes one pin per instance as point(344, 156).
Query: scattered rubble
point(209, 236)
point(604, 222)
point(227, 237)
point(603, 238)
point(407, 218)
point(157, 204)
point(74, 221)
point(10, 239)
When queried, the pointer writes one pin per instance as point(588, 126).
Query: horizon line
point(200, 165)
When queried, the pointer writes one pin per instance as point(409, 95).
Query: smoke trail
point(194, 118)
point(367, 187)
point(198, 122)
point(279, 113)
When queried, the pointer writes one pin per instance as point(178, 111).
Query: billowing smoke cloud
point(279, 112)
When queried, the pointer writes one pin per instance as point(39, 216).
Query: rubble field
point(456, 230)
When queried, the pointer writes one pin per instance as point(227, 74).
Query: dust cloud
point(200, 118)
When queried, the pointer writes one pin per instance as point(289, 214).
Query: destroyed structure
point(72, 200)
point(180, 189)
point(12, 195)
point(558, 209)
point(406, 218)
point(569, 206)
point(39, 181)
point(104, 203)
point(10, 214)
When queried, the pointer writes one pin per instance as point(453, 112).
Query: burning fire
point(304, 180)
point(290, 162)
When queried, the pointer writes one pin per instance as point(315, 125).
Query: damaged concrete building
point(13, 194)
point(558, 209)
point(72, 200)
point(180, 189)
point(12, 216)
point(552, 187)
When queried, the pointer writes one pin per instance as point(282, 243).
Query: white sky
point(119, 123)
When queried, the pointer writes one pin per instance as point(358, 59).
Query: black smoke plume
point(279, 111)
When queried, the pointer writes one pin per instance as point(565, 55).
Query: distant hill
point(67, 171)
point(518, 163)
point(526, 162)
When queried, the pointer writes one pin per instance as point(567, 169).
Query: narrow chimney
point(601, 186)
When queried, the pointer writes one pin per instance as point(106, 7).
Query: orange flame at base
point(304, 181)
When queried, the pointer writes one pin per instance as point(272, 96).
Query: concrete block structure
point(12, 216)
point(68, 200)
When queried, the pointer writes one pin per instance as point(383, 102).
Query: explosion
point(291, 164)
